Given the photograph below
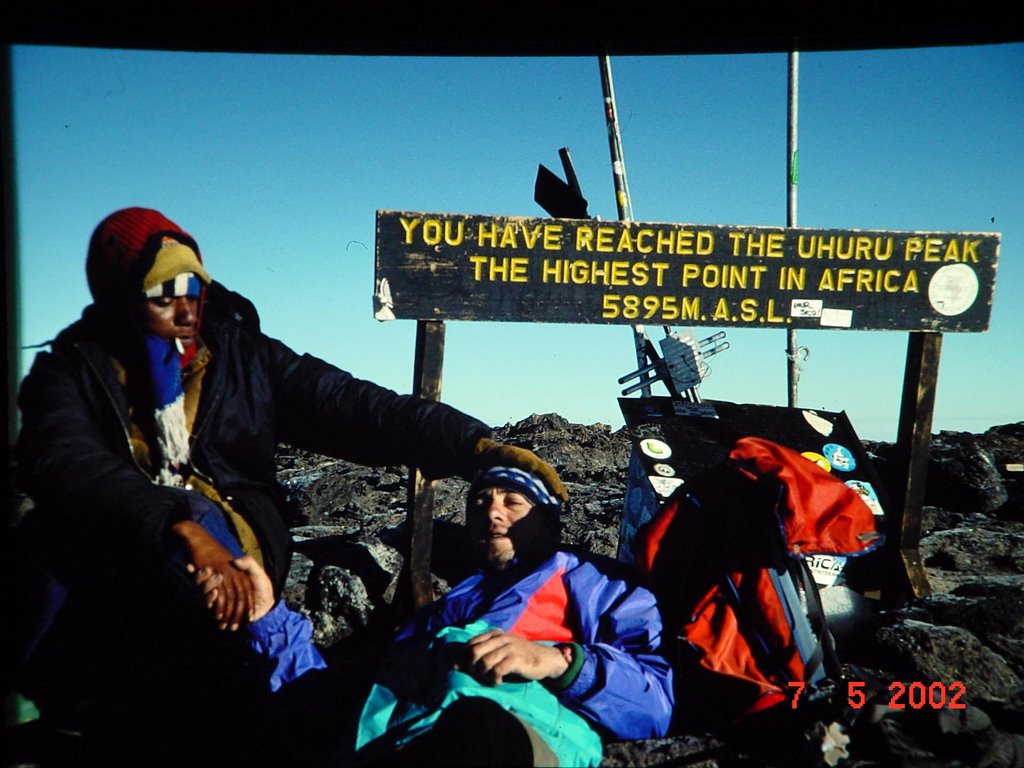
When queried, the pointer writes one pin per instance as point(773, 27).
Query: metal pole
point(622, 201)
point(792, 166)
point(12, 312)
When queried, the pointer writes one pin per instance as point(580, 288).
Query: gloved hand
point(493, 454)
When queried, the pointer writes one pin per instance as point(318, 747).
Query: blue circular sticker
point(839, 457)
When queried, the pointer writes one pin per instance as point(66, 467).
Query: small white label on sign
point(664, 486)
point(665, 470)
point(1015, 467)
point(837, 318)
point(953, 289)
point(805, 308)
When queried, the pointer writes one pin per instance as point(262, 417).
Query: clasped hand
point(236, 589)
point(494, 655)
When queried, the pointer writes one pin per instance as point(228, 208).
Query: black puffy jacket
point(75, 461)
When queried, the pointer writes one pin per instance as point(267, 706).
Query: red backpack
point(725, 556)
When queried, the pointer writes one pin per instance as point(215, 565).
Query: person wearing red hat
point(147, 446)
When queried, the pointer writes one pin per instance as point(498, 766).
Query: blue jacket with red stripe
point(624, 686)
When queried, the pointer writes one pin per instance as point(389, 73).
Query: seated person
point(532, 660)
point(165, 402)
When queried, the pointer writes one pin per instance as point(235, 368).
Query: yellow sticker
point(818, 459)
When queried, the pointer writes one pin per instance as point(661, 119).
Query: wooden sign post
point(434, 267)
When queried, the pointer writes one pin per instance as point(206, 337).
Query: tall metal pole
point(792, 167)
point(12, 311)
point(622, 201)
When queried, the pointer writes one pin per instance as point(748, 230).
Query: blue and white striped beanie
point(184, 284)
point(515, 479)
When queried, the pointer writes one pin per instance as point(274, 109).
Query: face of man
point(172, 317)
point(491, 513)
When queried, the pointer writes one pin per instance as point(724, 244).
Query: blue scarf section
point(171, 431)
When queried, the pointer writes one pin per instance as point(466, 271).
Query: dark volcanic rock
point(917, 650)
point(963, 475)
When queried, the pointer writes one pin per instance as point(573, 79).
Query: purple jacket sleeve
point(624, 685)
point(285, 638)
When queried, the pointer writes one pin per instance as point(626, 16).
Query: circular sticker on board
point(656, 449)
point(664, 470)
point(839, 457)
point(867, 495)
point(952, 289)
point(664, 486)
point(818, 459)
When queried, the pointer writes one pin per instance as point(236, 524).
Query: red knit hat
point(123, 249)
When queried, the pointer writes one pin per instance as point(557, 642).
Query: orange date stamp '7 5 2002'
point(916, 695)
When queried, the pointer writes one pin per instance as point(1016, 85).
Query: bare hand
point(263, 590)
point(230, 591)
point(493, 655)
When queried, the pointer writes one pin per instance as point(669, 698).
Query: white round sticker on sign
point(953, 289)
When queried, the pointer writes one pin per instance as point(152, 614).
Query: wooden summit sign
point(443, 266)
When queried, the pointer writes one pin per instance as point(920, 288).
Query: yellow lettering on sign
point(625, 242)
point(690, 308)
point(478, 263)
point(408, 225)
point(792, 278)
point(508, 236)
point(665, 240)
point(434, 231)
point(970, 252)
point(604, 239)
point(621, 272)
point(723, 275)
point(748, 310)
point(757, 244)
point(936, 249)
point(868, 280)
point(650, 307)
point(584, 239)
point(552, 237)
point(530, 236)
point(844, 247)
point(487, 234)
point(501, 269)
point(643, 244)
point(933, 249)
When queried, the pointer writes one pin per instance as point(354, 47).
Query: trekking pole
point(622, 201)
point(792, 166)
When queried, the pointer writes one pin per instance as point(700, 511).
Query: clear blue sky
point(278, 163)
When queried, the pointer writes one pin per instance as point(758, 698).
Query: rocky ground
point(347, 577)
